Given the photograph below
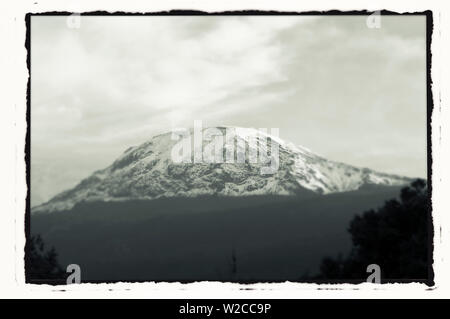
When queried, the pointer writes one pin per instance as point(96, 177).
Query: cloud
point(148, 64)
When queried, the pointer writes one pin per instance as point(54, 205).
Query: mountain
point(159, 213)
point(148, 171)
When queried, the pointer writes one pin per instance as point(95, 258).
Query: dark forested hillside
point(258, 238)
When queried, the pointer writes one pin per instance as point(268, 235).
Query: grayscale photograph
point(241, 148)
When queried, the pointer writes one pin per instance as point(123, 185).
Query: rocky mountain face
point(149, 171)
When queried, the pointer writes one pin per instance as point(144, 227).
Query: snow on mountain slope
point(148, 171)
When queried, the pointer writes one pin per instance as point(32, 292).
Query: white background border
point(13, 77)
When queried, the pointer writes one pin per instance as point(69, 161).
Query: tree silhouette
point(43, 263)
point(233, 264)
point(394, 237)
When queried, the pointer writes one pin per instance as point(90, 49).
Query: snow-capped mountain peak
point(148, 171)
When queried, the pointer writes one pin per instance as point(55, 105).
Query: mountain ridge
point(147, 171)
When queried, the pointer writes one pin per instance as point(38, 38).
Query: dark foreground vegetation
point(395, 237)
point(264, 238)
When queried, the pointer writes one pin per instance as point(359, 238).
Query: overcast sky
point(350, 93)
